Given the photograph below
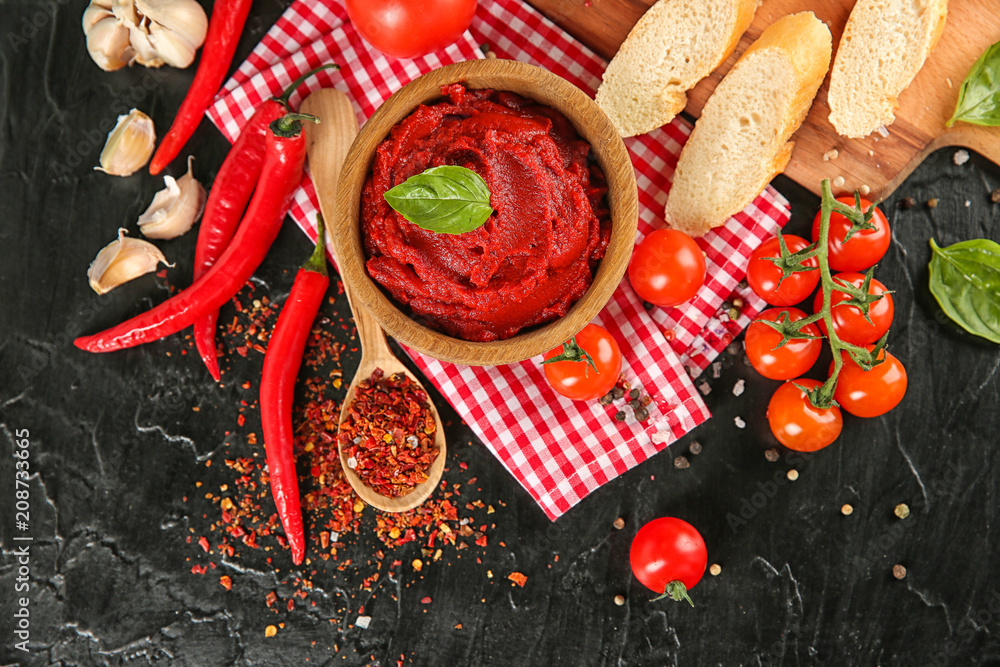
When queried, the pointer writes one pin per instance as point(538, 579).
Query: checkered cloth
point(559, 450)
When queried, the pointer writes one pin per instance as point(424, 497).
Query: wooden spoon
point(327, 144)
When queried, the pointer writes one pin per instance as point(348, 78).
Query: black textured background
point(116, 446)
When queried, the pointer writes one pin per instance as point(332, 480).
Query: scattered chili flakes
point(518, 578)
point(226, 582)
point(388, 436)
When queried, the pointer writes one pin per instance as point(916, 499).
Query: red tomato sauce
point(532, 259)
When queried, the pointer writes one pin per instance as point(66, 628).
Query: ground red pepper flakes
point(226, 582)
point(388, 436)
point(245, 526)
point(518, 578)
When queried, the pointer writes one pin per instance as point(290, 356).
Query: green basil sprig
point(979, 96)
point(965, 280)
point(446, 200)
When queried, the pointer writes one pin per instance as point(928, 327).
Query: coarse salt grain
point(704, 388)
point(739, 422)
point(363, 622)
point(739, 387)
point(352, 463)
point(960, 157)
point(716, 369)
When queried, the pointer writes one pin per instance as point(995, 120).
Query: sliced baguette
point(741, 140)
point(674, 45)
point(884, 45)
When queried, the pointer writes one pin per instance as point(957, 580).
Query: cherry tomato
point(667, 268)
point(797, 423)
point(791, 359)
point(764, 276)
point(410, 28)
point(668, 556)
point(578, 379)
point(863, 249)
point(870, 393)
point(848, 321)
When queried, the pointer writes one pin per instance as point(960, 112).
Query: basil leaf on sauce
point(446, 200)
point(965, 280)
point(979, 96)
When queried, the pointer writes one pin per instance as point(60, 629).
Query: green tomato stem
point(676, 591)
point(824, 395)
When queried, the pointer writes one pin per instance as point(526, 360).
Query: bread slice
point(674, 45)
point(741, 140)
point(885, 43)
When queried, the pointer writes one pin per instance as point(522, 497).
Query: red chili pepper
point(280, 176)
point(227, 200)
point(277, 388)
point(224, 30)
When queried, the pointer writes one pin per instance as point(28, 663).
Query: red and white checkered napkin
point(559, 450)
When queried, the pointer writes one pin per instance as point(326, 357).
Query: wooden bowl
point(531, 82)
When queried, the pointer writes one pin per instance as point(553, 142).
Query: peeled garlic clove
point(129, 146)
point(121, 261)
point(171, 46)
point(108, 44)
point(184, 17)
point(174, 209)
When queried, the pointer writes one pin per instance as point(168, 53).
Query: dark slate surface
point(115, 446)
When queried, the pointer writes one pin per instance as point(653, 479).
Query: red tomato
point(797, 423)
point(791, 359)
point(668, 556)
point(848, 321)
point(410, 28)
point(764, 276)
point(870, 393)
point(578, 379)
point(667, 268)
point(863, 249)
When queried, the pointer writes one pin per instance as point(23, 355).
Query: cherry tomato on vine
point(848, 321)
point(862, 250)
point(410, 28)
point(791, 359)
point(870, 393)
point(764, 276)
point(667, 268)
point(668, 556)
point(576, 377)
point(797, 423)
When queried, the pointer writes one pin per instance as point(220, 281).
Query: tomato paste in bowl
point(537, 253)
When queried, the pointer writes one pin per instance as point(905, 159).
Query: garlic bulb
point(149, 32)
point(174, 209)
point(123, 260)
point(129, 146)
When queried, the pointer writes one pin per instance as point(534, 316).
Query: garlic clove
point(108, 44)
point(171, 46)
point(185, 17)
point(175, 208)
point(92, 14)
point(124, 11)
point(129, 146)
point(123, 260)
point(145, 54)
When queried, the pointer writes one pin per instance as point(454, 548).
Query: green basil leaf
point(965, 280)
point(447, 200)
point(979, 96)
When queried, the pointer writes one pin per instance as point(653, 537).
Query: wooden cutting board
point(881, 163)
